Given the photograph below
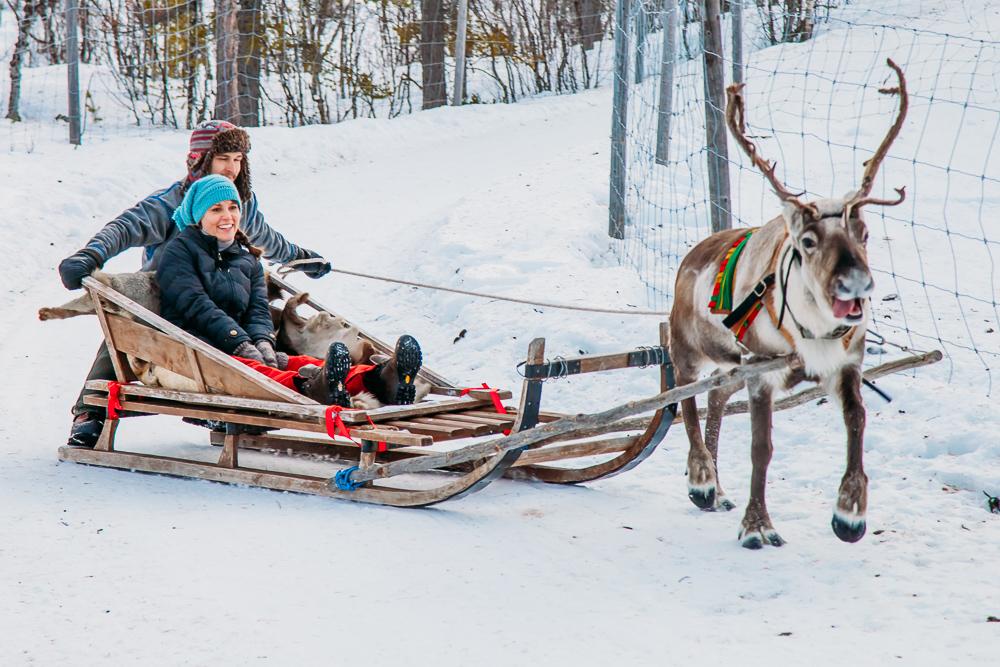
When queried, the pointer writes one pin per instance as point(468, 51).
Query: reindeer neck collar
point(783, 275)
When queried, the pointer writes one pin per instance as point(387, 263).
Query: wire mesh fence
point(812, 72)
point(174, 63)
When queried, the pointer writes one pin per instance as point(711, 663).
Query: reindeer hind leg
point(701, 483)
point(717, 399)
point(756, 529)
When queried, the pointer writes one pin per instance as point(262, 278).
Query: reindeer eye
point(808, 243)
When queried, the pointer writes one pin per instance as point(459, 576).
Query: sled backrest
point(156, 340)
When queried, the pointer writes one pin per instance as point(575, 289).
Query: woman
point(212, 285)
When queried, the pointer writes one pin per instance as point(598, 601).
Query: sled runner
point(385, 446)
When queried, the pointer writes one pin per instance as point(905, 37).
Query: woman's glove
point(266, 349)
point(78, 266)
point(316, 269)
point(247, 350)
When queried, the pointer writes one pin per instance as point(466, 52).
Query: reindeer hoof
point(724, 504)
point(848, 530)
point(702, 496)
point(758, 538)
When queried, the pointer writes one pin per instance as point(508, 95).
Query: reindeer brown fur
point(817, 310)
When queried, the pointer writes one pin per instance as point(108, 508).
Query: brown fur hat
point(211, 138)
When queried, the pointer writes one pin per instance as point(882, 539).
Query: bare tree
point(432, 23)
point(24, 12)
point(226, 43)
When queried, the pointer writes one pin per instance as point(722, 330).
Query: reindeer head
point(314, 335)
point(829, 236)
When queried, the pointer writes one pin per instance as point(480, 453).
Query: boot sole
point(338, 363)
point(408, 361)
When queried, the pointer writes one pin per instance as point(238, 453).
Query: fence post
point(666, 106)
point(715, 124)
point(461, 27)
point(73, 70)
point(737, 9)
point(619, 116)
point(641, 28)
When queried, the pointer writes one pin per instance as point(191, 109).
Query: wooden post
point(73, 70)
point(226, 44)
point(461, 28)
point(666, 106)
point(737, 9)
point(715, 118)
point(641, 28)
point(531, 391)
point(619, 116)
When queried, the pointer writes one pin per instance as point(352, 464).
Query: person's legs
point(284, 378)
point(88, 420)
point(102, 369)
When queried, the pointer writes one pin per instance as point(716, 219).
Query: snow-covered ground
point(106, 567)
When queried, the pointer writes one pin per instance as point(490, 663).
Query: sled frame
point(248, 402)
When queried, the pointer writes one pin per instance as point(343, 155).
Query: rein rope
point(287, 268)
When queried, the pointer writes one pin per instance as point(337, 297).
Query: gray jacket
point(150, 224)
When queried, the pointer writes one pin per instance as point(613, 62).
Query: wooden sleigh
point(384, 448)
point(386, 455)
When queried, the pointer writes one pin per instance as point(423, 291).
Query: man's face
point(227, 164)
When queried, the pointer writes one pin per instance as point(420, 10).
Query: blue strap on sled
point(343, 479)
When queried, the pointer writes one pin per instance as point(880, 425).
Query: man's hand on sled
point(78, 266)
point(266, 349)
point(316, 269)
point(247, 350)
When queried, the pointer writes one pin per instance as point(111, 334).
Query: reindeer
point(808, 268)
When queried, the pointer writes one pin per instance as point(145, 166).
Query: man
point(216, 147)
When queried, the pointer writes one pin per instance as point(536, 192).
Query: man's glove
point(78, 266)
point(247, 350)
point(312, 269)
point(266, 349)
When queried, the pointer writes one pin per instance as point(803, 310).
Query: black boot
point(86, 429)
point(393, 381)
point(326, 384)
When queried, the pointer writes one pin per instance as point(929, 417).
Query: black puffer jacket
point(220, 297)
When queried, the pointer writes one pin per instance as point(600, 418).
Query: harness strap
point(744, 314)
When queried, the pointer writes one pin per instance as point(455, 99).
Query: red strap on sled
point(114, 400)
point(494, 396)
point(381, 445)
point(334, 424)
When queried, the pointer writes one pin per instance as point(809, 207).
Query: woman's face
point(222, 221)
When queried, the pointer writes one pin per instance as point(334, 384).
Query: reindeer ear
point(289, 312)
point(794, 219)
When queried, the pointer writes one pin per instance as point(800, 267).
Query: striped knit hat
point(212, 137)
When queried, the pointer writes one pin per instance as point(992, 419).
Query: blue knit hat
point(202, 195)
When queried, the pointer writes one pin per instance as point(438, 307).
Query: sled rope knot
point(343, 480)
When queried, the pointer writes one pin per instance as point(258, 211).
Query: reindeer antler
point(872, 164)
point(737, 125)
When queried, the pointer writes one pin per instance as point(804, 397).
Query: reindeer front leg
point(852, 499)
point(756, 530)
